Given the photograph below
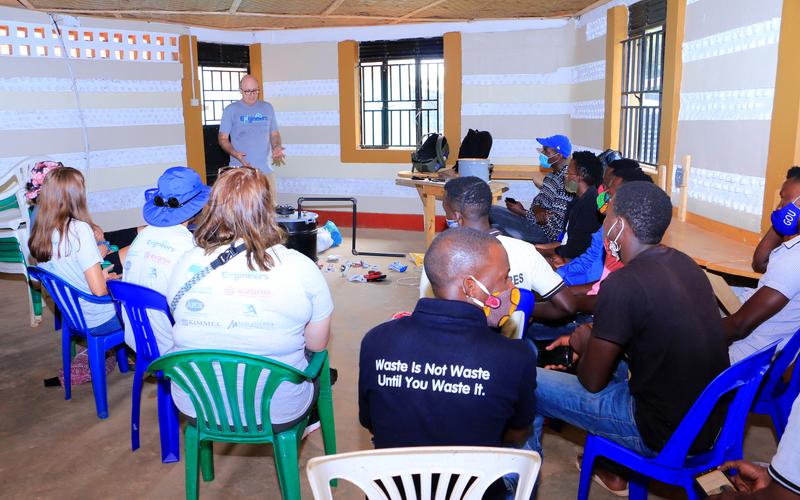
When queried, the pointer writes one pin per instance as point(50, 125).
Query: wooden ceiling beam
point(152, 12)
point(332, 7)
point(234, 6)
point(417, 11)
point(26, 4)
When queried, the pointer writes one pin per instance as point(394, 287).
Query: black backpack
point(476, 144)
point(431, 155)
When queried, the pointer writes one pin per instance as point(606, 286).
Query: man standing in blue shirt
point(248, 131)
point(442, 377)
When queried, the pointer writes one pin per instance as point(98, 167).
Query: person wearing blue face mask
point(544, 221)
point(771, 311)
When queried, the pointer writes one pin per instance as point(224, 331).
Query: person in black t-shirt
point(584, 174)
point(659, 313)
point(442, 377)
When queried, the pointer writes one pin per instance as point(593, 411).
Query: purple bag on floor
point(79, 372)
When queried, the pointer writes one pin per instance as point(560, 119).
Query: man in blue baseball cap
point(168, 209)
point(544, 221)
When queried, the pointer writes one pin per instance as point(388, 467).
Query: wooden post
point(192, 112)
point(683, 204)
point(662, 177)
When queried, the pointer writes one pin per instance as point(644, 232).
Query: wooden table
point(430, 191)
point(499, 173)
point(711, 250)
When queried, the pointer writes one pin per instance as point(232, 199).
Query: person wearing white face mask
point(658, 318)
point(544, 221)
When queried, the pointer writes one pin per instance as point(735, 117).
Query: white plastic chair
point(15, 225)
point(471, 469)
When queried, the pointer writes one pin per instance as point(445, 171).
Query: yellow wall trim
point(349, 112)
point(192, 115)
point(257, 67)
point(616, 33)
point(784, 134)
point(671, 95)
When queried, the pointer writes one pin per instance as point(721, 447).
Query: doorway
point(221, 67)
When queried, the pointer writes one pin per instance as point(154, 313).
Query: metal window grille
point(220, 87)
point(402, 92)
point(642, 81)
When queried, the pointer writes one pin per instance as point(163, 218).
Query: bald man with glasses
point(248, 132)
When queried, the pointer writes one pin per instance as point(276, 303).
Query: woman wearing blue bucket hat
point(168, 209)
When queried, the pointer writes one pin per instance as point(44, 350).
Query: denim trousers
point(608, 413)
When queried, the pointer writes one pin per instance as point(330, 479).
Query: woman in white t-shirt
point(267, 300)
point(63, 242)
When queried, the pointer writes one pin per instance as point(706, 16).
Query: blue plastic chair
point(673, 465)
point(65, 297)
point(776, 396)
point(137, 300)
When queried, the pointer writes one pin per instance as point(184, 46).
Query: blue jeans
point(542, 331)
point(517, 226)
point(608, 413)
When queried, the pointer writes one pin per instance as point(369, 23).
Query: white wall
point(730, 54)
point(131, 109)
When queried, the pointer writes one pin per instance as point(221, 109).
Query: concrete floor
point(52, 448)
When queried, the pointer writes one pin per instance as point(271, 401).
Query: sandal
point(617, 493)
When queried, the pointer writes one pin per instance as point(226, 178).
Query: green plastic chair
point(219, 418)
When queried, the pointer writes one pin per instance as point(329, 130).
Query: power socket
point(194, 102)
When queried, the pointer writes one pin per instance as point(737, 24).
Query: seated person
point(121, 238)
point(772, 311)
point(781, 481)
point(442, 377)
point(154, 252)
point(466, 204)
point(264, 299)
point(660, 313)
point(63, 242)
point(583, 176)
point(588, 267)
point(545, 219)
point(586, 294)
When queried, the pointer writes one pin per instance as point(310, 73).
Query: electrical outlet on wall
point(195, 102)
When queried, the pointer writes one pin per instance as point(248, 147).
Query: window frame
point(349, 105)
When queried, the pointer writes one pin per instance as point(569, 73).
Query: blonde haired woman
point(260, 298)
point(63, 242)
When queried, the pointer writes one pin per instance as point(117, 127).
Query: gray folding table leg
point(354, 202)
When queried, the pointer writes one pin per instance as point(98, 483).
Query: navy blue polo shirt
point(441, 377)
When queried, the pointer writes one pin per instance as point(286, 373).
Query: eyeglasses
point(171, 202)
point(250, 91)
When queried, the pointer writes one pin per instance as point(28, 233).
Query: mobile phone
point(714, 482)
point(561, 355)
point(510, 200)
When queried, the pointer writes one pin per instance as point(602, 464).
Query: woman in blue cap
point(168, 209)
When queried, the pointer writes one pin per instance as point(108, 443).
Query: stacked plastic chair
point(66, 298)
point(14, 233)
point(137, 301)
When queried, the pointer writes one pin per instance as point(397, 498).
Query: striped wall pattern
point(729, 63)
point(130, 105)
point(518, 97)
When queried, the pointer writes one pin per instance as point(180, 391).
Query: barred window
point(402, 91)
point(642, 81)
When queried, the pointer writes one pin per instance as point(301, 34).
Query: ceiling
point(287, 14)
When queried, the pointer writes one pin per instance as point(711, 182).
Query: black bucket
point(301, 231)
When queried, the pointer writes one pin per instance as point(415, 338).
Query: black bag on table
point(476, 144)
